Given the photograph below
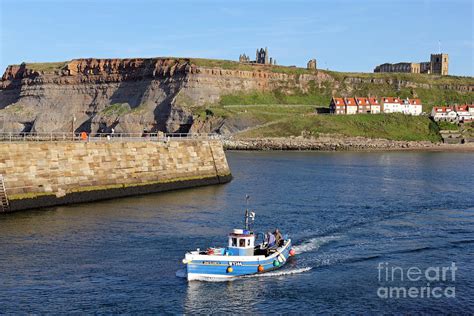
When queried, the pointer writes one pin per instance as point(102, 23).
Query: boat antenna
point(248, 214)
point(247, 197)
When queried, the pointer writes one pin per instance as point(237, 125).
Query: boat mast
point(249, 215)
point(247, 197)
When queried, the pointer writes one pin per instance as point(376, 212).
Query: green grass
point(116, 109)
point(417, 78)
point(447, 126)
point(277, 120)
point(17, 109)
point(388, 126)
point(235, 65)
point(262, 113)
point(46, 67)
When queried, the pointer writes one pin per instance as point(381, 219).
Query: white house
point(337, 106)
point(363, 105)
point(415, 107)
point(463, 114)
point(351, 105)
point(391, 105)
point(440, 113)
point(374, 105)
point(471, 109)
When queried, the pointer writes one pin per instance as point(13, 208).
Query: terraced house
point(391, 105)
point(411, 106)
point(374, 106)
point(363, 105)
point(343, 106)
point(371, 105)
point(453, 114)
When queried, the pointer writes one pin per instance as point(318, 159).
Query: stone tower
point(439, 64)
point(311, 64)
point(262, 56)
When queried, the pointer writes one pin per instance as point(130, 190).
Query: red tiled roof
point(390, 100)
point(462, 107)
point(350, 102)
point(362, 101)
point(415, 101)
point(439, 109)
point(442, 109)
point(338, 101)
point(373, 101)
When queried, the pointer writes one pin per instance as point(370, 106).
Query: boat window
point(242, 242)
point(248, 242)
point(234, 242)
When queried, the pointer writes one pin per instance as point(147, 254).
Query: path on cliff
point(265, 105)
point(251, 128)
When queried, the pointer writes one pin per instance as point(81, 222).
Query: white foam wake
point(279, 273)
point(314, 243)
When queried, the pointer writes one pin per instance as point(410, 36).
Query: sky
point(343, 35)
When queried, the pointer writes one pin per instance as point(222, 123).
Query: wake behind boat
point(240, 257)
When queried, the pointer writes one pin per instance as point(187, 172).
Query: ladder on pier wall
point(4, 205)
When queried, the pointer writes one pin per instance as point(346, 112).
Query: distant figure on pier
point(84, 136)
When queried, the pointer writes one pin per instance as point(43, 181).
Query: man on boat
point(270, 240)
point(278, 237)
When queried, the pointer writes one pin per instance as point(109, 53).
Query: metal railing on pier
point(103, 137)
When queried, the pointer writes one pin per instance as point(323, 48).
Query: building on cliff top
point(311, 64)
point(438, 64)
point(261, 57)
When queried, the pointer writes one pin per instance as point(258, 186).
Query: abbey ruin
point(261, 57)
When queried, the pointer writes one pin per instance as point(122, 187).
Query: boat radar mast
point(249, 215)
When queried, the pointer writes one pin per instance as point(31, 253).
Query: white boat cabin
point(241, 243)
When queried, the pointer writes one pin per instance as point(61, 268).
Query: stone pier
point(40, 174)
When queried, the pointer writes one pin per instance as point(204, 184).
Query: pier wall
point(54, 173)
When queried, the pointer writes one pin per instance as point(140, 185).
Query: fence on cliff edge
point(103, 137)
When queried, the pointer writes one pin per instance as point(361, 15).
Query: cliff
point(170, 94)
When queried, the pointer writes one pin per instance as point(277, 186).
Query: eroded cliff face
point(95, 95)
point(130, 95)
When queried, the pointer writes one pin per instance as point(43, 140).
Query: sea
point(385, 232)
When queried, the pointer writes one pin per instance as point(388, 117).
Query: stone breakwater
point(46, 174)
point(326, 144)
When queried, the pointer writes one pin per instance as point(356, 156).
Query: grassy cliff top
point(340, 76)
point(46, 67)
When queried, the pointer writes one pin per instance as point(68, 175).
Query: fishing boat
point(242, 256)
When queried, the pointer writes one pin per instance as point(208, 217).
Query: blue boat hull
point(217, 267)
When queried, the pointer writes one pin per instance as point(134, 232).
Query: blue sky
point(343, 35)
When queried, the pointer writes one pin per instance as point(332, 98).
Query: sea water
point(359, 223)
